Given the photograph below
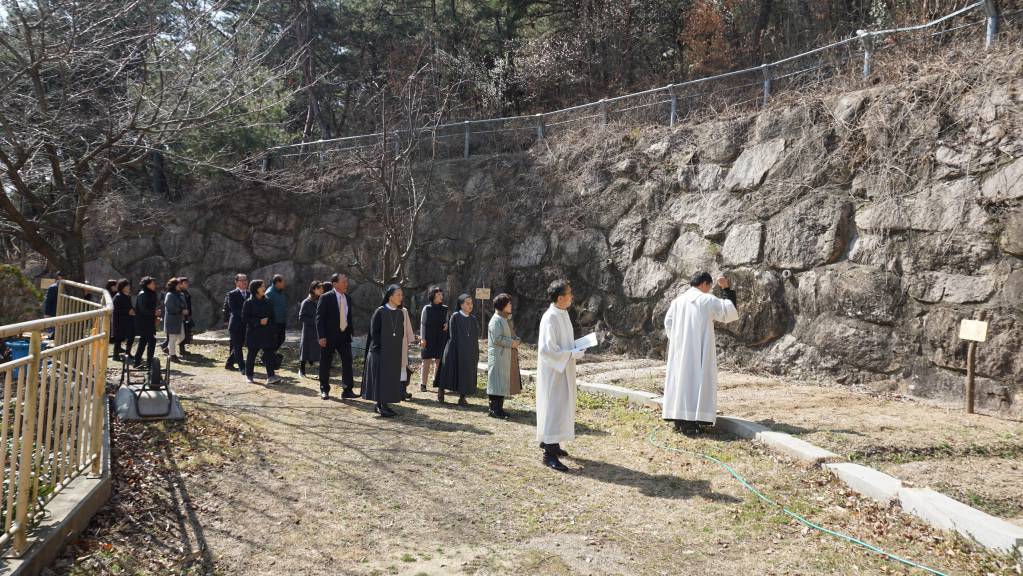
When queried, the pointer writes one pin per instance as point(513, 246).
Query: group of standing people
point(449, 341)
point(139, 317)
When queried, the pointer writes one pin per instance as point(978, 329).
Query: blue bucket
point(19, 349)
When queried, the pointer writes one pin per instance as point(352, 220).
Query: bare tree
point(91, 89)
point(398, 169)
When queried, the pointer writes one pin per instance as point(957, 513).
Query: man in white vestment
point(690, 390)
point(555, 376)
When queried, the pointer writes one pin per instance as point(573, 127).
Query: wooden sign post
point(972, 331)
point(482, 296)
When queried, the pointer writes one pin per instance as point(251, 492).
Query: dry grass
point(317, 487)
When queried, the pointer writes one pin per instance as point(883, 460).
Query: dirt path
point(275, 481)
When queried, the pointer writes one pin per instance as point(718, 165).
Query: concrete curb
point(945, 513)
point(875, 485)
point(68, 514)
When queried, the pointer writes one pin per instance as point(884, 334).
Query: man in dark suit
point(233, 304)
point(334, 331)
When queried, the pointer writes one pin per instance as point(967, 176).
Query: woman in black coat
point(147, 316)
point(309, 346)
point(384, 376)
point(122, 328)
point(258, 315)
point(461, 355)
point(433, 333)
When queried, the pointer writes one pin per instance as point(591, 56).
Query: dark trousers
point(344, 349)
point(250, 361)
point(237, 355)
point(118, 350)
point(147, 343)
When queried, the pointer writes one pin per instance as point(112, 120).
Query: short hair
point(557, 289)
point(58, 274)
point(336, 277)
point(461, 299)
point(111, 283)
point(434, 290)
point(145, 281)
point(327, 286)
point(122, 284)
point(183, 279)
point(700, 278)
point(278, 278)
point(254, 287)
point(501, 301)
point(239, 276)
point(316, 284)
point(172, 284)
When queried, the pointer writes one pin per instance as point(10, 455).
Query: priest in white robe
point(555, 377)
point(690, 390)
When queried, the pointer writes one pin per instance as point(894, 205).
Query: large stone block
point(626, 240)
point(661, 237)
point(719, 142)
point(851, 290)
point(854, 342)
point(752, 166)
point(267, 246)
point(1012, 236)
point(626, 319)
point(944, 206)
point(223, 253)
point(934, 287)
point(812, 232)
point(645, 278)
point(127, 251)
point(587, 251)
point(285, 268)
point(763, 315)
point(181, 244)
point(743, 244)
point(712, 213)
point(1005, 184)
point(691, 253)
point(529, 251)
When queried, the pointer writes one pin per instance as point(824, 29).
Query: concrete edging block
point(739, 427)
point(945, 513)
point(868, 482)
point(796, 448)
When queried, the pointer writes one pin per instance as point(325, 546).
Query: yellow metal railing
point(52, 421)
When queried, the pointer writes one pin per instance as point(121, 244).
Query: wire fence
point(729, 93)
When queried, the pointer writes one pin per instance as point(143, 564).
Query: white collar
point(389, 307)
point(462, 312)
point(554, 308)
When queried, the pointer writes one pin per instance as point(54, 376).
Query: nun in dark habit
point(385, 377)
point(457, 370)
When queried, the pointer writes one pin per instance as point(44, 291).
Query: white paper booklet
point(588, 341)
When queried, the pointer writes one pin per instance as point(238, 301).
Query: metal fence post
point(541, 129)
point(673, 117)
point(603, 111)
point(465, 149)
point(25, 467)
point(991, 9)
point(767, 82)
point(867, 39)
point(99, 396)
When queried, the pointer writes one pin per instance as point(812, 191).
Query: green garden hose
point(802, 520)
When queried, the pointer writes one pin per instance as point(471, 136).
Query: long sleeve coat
point(502, 359)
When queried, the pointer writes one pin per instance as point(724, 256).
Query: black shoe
point(384, 411)
point(324, 396)
point(551, 461)
point(408, 395)
point(692, 430)
point(230, 368)
point(440, 395)
point(349, 394)
point(462, 401)
point(502, 414)
point(558, 452)
point(422, 387)
point(494, 414)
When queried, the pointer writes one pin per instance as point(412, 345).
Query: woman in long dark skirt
point(384, 377)
point(433, 333)
point(258, 314)
point(122, 328)
point(457, 371)
point(147, 316)
point(309, 346)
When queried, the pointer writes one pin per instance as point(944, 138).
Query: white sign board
point(483, 293)
point(975, 330)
